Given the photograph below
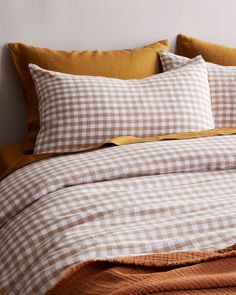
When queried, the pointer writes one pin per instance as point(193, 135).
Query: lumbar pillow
point(222, 82)
point(78, 112)
point(211, 52)
point(123, 64)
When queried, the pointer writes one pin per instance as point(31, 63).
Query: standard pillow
point(222, 82)
point(78, 112)
point(123, 64)
point(215, 53)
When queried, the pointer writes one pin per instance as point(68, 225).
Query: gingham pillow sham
point(222, 82)
point(78, 112)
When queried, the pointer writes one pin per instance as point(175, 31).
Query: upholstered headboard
point(99, 24)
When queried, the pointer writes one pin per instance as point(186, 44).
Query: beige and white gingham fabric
point(222, 82)
point(82, 111)
point(137, 199)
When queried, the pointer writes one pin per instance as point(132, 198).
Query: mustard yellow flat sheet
point(9, 154)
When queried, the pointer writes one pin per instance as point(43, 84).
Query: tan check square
point(222, 82)
point(82, 111)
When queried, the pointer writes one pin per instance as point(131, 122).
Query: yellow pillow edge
point(189, 39)
point(21, 52)
point(212, 52)
point(13, 46)
point(44, 57)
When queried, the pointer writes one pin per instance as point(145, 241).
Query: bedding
point(117, 141)
point(78, 112)
point(211, 52)
point(162, 197)
point(123, 64)
point(222, 82)
point(9, 154)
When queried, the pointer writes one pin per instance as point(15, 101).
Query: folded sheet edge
point(118, 141)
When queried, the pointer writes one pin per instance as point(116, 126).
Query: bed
point(129, 215)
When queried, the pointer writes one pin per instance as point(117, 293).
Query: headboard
point(99, 24)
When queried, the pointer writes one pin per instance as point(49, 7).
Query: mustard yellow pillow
point(123, 64)
point(215, 53)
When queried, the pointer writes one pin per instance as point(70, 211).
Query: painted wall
point(99, 24)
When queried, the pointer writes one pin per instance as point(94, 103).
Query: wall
point(99, 24)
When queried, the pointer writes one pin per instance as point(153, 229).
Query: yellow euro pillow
point(215, 53)
point(123, 64)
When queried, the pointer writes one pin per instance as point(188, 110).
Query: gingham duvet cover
point(154, 197)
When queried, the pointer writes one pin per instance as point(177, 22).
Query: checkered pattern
point(116, 201)
point(222, 81)
point(82, 111)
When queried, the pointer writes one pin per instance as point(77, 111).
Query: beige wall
point(99, 24)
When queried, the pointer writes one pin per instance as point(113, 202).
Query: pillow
point(215, 53)
point(222, 81)
point(122, 64)
point(78, 112)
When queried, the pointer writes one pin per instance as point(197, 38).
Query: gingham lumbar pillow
point(222, 82)
point(78, 112)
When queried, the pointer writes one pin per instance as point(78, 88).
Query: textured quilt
point(139, 199)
